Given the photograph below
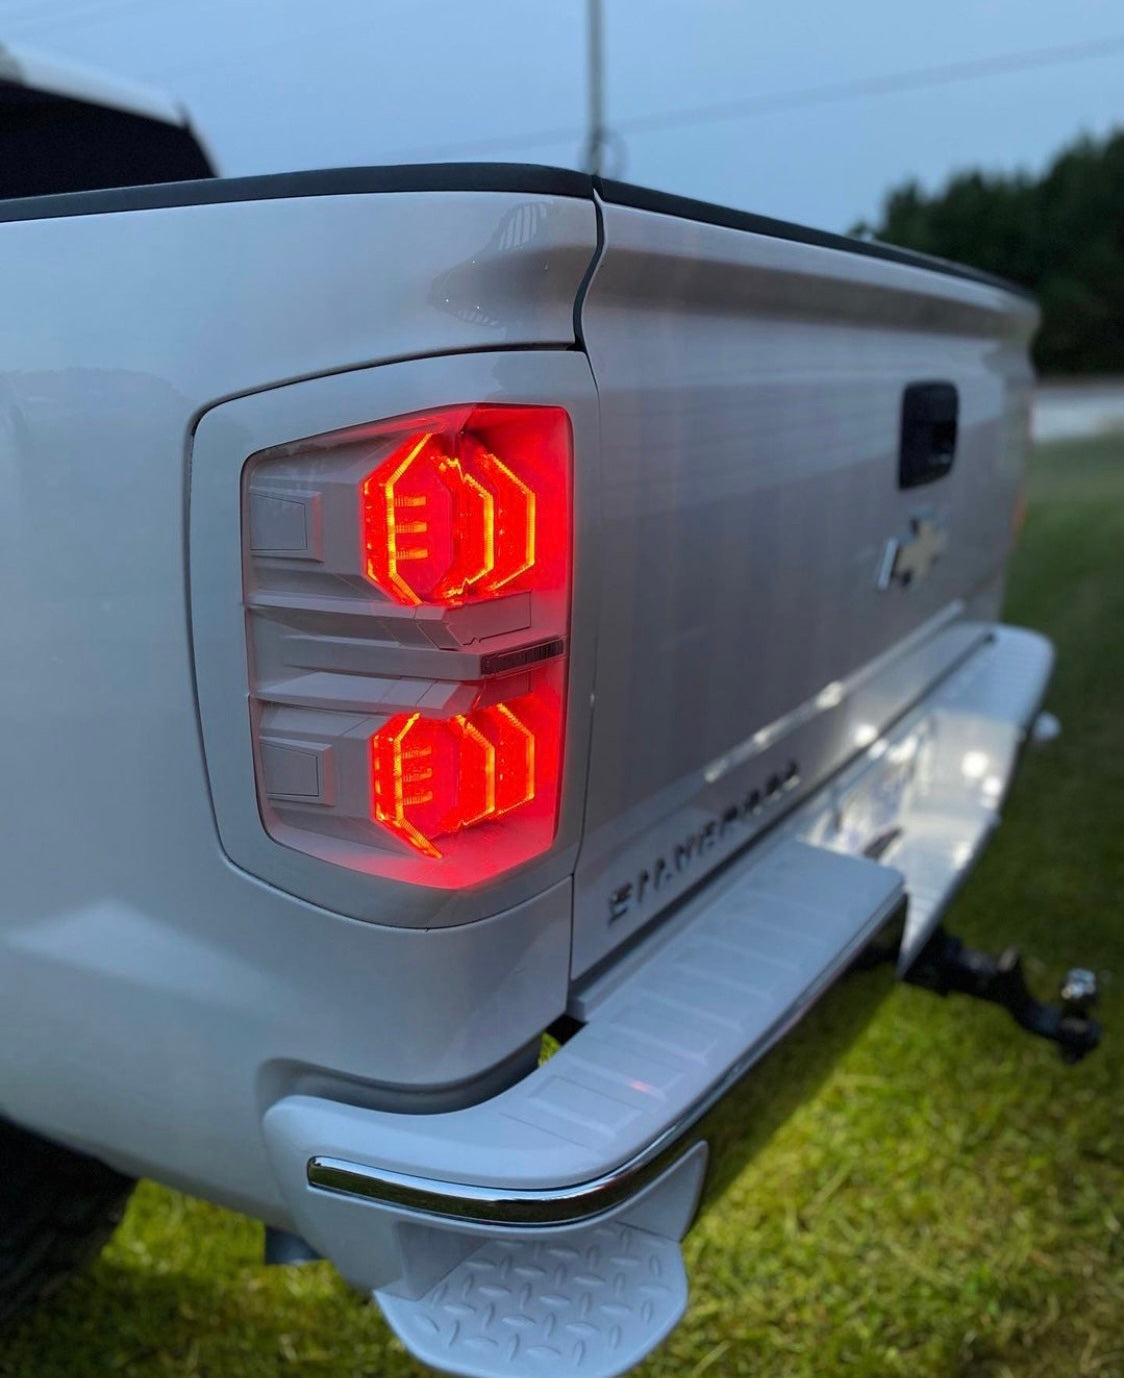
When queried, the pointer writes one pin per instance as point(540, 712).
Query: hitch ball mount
point(946, 964)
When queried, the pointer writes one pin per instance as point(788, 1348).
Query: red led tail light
point(416, 572)
point(492, 772)
point(470, 508)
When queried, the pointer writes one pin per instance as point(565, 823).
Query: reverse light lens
point(470, 509)
point(435, 779)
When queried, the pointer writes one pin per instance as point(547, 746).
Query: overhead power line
point(914, 79)
point(917, 79)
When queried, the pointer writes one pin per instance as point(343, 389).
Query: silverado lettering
point(631, 895)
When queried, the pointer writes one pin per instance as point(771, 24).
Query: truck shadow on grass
point(243, 1323)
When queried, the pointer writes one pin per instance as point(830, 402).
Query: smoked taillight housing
point(409, 586)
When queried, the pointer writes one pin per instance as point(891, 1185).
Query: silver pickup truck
point(489, 652)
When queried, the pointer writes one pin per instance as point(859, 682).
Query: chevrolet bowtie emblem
point(908, 559)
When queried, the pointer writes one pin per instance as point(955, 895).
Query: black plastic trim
point(343, 181)
point(930, 420)
point(588, 275)
point(707, 213)
point(472, 177)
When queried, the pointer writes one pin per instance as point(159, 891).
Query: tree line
point(1061, 235)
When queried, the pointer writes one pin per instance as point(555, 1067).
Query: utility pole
point(597, 135)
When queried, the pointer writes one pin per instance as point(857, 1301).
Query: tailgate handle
point(928, 439)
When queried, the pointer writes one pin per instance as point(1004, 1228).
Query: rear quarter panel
point(152, 991)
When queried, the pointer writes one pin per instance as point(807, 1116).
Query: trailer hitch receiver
point(946, 965)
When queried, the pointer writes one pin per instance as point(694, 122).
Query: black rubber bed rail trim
point(528, 178)
point(708, 213)
point(342, 181)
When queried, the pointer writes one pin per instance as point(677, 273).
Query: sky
point(276, 85)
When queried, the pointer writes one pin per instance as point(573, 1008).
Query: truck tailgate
point(755, 631)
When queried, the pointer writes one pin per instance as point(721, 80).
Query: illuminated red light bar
point(492, 772)
point(470, 505)
point(470, 509)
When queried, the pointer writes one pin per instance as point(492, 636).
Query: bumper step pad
point(592, 1303)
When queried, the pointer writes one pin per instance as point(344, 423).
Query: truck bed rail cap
point(531, 178)
point(709, 213)
point(342, 181)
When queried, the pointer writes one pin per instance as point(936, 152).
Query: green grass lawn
point(951, 1202)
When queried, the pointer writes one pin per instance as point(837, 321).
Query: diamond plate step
point(593, 1302)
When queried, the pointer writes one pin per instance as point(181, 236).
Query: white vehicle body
point(790, 710)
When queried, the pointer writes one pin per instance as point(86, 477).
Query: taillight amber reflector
point(470, 508)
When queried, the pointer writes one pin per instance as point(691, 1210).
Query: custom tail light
point(446, 520)
point(408, 588)
point(433, 779)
